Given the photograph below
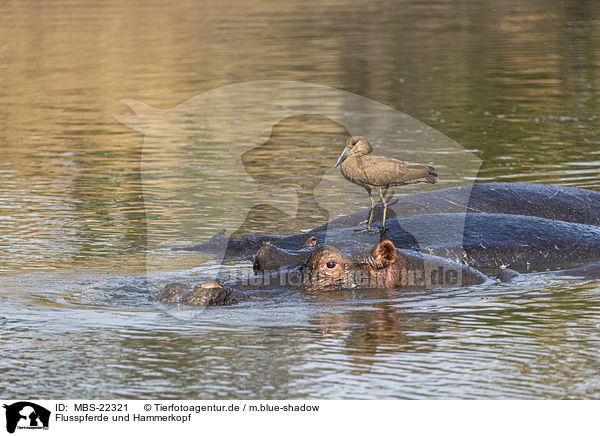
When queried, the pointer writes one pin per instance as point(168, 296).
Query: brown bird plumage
point(379, 172)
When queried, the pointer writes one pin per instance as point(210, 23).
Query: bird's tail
point(427, 174)
point(431, 176)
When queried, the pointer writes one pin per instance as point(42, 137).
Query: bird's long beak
point(342, 157)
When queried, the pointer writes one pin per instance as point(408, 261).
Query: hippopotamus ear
point(311, 241)
point(384, 254)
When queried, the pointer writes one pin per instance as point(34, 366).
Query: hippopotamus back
point(544, 201)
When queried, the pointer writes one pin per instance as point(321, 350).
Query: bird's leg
point(370, 220)
point(372, 211)
point(388, 194)
point(383, 229)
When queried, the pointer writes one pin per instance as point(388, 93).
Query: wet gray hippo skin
point(494, 240)
point(204, 294)
point(480, 240)
point(589, 271)
point(539, 227)
point(328, 269)
point(521, 199)
point(544, 201)
point(529, 199)
point(271, 258)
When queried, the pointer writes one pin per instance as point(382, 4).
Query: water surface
point(515, 83)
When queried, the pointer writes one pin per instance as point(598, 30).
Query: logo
point(26, 415)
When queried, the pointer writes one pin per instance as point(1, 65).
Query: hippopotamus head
point(384, 266)
point(328, 269)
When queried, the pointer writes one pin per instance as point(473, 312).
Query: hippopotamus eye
point(331, 264)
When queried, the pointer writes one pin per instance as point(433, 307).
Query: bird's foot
point(367, 230)
point(383, 230)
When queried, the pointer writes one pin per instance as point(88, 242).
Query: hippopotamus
point(328, 269)
point(481, 240)
point(588, 271)
point(525, 227)
point(271, 258)
point(528, 199)
point(489, 241)
point(436, 211)
point(531, 199)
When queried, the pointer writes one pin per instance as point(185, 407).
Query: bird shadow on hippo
point(504, 228)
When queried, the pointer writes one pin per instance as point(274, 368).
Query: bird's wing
point(383, 171)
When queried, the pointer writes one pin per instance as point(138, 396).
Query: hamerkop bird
point(379, 172)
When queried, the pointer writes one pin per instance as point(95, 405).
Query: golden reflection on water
point(516, 84)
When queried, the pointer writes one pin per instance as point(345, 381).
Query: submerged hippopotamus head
point(272, 258)
point(328, 269)
point(383, 267)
